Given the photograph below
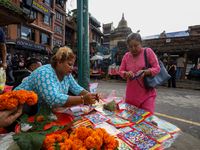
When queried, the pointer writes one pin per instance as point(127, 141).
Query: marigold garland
point(10, 100)
point(81, 139)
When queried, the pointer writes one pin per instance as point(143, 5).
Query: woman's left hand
point(142, 74)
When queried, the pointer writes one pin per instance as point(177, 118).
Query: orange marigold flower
point(82, 148)
point(11, 103)
point(3, 102)
point(107, 138)
point(22, 96)
point(65, 135)
point(40, 118)
point(77, 144)
point(90, 142)
point(99, 132)
point(58, 137)
point(32, 99)
point(90, 131)
point(51, 148)
point(82, 133)
point(73, 136)
point(69, 143)
point(49, 140)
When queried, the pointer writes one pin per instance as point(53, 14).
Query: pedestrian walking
point(180, 66)
point(171, 68)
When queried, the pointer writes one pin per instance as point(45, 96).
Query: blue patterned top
point(45, 83)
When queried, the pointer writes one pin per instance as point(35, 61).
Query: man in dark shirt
point(31, 65)
point(3, 49)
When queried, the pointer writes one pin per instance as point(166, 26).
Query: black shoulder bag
point(158, 79)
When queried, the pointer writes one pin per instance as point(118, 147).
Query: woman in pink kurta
point(132, 63)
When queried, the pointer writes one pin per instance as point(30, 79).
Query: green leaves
point(110, 106)
point(33, 140)
point(30, 141)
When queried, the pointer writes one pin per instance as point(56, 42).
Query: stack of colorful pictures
point(133, 117)
point(152, 132)
point(97, 118)
point(138, 141)
point(119, 122)
point(162, 124)
point(133, 109)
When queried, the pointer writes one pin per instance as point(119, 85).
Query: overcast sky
point(151, 17)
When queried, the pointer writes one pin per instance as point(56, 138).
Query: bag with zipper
point(158, 79)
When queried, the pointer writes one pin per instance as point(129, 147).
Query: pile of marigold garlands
point(10, 100)
point(81, 139)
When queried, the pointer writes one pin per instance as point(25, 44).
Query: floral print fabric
point(51, 92)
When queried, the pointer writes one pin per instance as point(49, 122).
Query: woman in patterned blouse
point(52, 82)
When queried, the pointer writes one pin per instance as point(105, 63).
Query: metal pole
point(80, 40)
point(86, 62)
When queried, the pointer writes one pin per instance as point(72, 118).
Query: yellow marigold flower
point(32, 99)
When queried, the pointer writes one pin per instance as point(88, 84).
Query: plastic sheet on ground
point(169, 142)
point(7, 142)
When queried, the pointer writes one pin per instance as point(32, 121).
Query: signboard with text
point(21, 44)
point(39, 7)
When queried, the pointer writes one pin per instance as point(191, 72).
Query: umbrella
point(97, 57)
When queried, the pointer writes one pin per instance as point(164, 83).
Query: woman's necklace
point(60, 80)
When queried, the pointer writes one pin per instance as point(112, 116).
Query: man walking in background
point(180, 66)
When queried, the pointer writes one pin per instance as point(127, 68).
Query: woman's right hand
point(90, 98)
point(128, 74)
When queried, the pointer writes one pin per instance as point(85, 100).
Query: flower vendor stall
point(109, 124)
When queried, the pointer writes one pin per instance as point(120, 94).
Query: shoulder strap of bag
point(169, 68)
point(145, 58)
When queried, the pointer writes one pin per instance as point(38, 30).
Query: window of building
point(93, 36)
point(33, 11)
point(59, 16)
point(57, 42)
point(68, 33)
point(58, 29)
point(44, 38)
point(26, 33)
point(5, 30)
point(46, 19)
point(60, 3)
point(48, 3)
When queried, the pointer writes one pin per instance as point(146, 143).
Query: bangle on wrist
point(124, 75)
point(82, 100)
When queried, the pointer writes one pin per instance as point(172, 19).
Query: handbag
point(158, 79)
